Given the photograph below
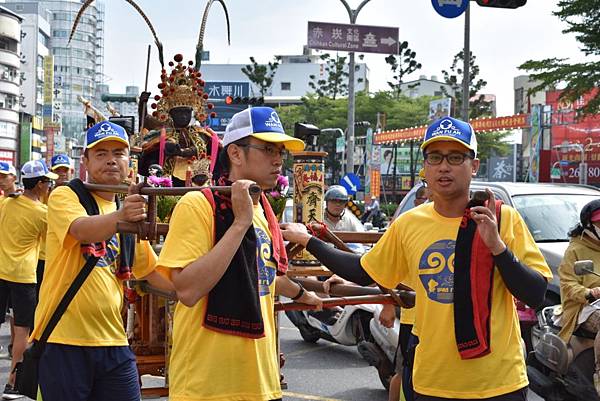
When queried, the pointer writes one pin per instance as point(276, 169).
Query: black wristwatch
point(300, 293)
point(590, 297)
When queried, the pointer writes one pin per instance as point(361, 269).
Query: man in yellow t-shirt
point(402, 359)
point(87, 356)
point(8, 180)
point(420, 247)
point(228, 352)
point(23, 222)
point(62, 165)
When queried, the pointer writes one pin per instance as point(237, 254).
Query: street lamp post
point(350, 141)
point(466, 65)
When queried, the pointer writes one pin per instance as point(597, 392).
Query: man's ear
point(235, 155)
point(474, 167)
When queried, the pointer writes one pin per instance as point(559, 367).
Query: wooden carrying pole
point(333, 302)
point(150, 229)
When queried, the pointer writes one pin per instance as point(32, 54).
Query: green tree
point(335, 80)
point(493, 143)
point(325, 112)
point(401, 64)
point(478, 107)
point(261, 75)
point(583, 19)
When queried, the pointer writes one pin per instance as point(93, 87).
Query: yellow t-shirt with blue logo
point(407, 316)
point(94, 316)
point(23, 223)
point(420, 246)
point(205, 364)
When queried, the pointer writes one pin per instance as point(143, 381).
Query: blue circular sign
point(450, 8)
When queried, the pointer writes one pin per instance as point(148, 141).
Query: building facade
point(10, 79)
point(425, 87)
point(35, 51)
point(292, 78)
point(78, 67)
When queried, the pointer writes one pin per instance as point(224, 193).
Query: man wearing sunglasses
point(23, 222)
point(467, 262)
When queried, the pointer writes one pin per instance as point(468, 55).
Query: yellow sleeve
point(43, 222)
point(385, 263)
point(145, 260)
point(520, 242)
point(63, 209)
point(571, 285)
point(190, 232)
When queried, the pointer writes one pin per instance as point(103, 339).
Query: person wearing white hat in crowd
point(23, 222)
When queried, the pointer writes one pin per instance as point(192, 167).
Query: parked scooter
point(347, 326)
point(559, 371)
point(380, 349)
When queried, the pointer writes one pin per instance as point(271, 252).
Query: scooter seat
point(581, 332)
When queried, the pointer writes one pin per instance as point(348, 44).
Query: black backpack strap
point(126, 241)
point(85, 197)
point(91, 207)
point(68, 297)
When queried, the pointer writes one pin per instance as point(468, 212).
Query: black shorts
point(23, 300)
point(519, 395)
point(39, 273)
point(401, 357)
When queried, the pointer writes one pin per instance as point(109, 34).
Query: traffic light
point(253, 101)
point(502, 3)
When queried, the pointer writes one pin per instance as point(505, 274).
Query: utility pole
point(350, 138)
point(466, 66)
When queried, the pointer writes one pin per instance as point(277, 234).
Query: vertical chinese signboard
point(309, 180)
point(535, 142)
point(48, 89)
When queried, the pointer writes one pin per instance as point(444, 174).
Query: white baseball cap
point(7, 168)
point(261, 123)
point(35, 169)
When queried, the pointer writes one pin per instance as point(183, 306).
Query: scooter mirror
point(583, 267)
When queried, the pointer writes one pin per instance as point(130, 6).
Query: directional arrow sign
point(388, 41)
point(351, 182)
point(450, 8)
point(352, 38)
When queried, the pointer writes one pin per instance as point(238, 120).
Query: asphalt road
point(321, 371)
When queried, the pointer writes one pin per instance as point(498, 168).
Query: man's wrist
point(305, 238)
point(498, 248)
point(300, 293)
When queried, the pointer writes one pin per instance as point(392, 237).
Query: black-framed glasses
point(454, 158)
point(49, 181)
point(271, 150)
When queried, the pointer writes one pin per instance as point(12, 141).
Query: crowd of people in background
point(51, 226)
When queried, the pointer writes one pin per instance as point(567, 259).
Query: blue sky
point(500, 39)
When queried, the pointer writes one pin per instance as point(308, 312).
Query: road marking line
point(308, 350)
point(308, 397)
